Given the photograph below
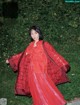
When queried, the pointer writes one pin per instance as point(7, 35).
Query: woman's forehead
point(33, 31)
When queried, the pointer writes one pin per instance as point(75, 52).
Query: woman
point(37, 75)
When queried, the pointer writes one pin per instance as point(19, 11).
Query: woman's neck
point(36, 41)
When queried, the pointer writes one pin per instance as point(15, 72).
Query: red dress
point(36, 79)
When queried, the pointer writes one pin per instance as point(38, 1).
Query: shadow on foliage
point(10, 9)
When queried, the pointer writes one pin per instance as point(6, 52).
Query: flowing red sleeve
point(59, 59)
point(14, 60)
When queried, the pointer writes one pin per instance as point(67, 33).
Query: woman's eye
point(35, 32)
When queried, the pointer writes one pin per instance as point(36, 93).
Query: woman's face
point(34, 35)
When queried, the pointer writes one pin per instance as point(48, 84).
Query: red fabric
point(57, 70)
point(37, 61)
point(14, 61)
point(43, 90)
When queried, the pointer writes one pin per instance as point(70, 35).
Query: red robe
point(21, 63)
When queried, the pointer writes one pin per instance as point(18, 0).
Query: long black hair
point(38, 30)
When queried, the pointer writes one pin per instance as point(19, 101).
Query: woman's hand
point(26, 53)
point(7, 61)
